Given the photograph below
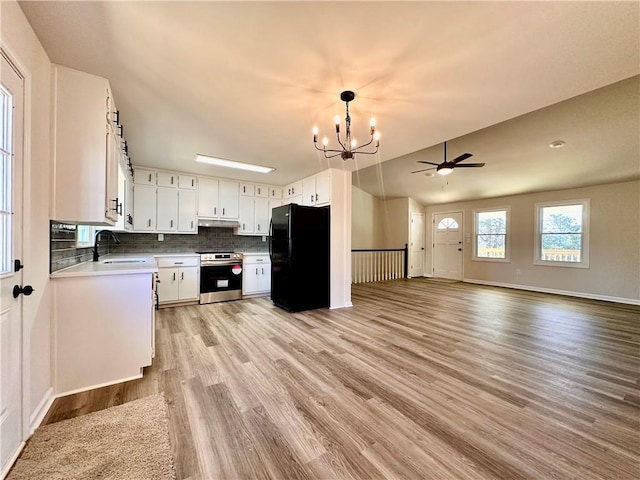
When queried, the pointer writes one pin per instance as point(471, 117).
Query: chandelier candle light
point(349, 145)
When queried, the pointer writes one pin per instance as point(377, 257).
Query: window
point(84, 236)
point(6, 181)
point(447, 224)
point(562, 234)
point(491, 229)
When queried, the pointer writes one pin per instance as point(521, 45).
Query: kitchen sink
point(123, 260)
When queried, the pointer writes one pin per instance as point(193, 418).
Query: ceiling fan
point(445, 168)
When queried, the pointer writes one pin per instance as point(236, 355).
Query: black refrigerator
point(299, 250)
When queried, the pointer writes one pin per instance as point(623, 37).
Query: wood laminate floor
point(419, 380)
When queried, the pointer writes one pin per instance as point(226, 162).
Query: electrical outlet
point(264, 238)
point(161, 237)
point(518, 271)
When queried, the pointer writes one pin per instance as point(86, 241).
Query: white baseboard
point(100, 385)
point(12, 460)
point(569, 293)
point(41, 410)
point(346, 305)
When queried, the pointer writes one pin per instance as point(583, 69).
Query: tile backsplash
point(207, 238)
point(65, 253)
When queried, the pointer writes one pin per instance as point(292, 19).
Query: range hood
point(213, 222)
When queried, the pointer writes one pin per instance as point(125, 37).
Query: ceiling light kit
point(445, 168)
point(349, 145)
point(220, 162)
point(557, 144)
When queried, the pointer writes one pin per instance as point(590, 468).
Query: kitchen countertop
point(99, 268)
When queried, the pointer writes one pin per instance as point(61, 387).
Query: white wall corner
point(41, 410)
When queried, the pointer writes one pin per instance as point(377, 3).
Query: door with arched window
point(447, 245)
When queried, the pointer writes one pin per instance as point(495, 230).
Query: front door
point(11, 143)
point(416, 254)
point(447, 245)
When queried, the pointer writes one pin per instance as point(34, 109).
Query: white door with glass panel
point(447, 245)
point(416, 249)
point(12, 290)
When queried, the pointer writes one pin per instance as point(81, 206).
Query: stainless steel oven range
point(220, 276)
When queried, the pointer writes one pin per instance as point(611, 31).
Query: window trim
point(507, 235)
point(537, 240)
point(89, 243)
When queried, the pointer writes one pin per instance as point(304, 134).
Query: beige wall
point(614, 257)
point(366, 225)
point(20, 42)
point(395, 222)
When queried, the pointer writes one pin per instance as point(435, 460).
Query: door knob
point(26, 290)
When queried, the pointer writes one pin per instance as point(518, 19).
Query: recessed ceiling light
point(557, 144)
point(220, 162)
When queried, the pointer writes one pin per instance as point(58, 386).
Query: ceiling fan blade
point(462, 157)
point(470, 165)
point(423, 170)
point(429, 163)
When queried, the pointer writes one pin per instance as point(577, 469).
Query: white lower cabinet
point(178, 279)
point(256, 279)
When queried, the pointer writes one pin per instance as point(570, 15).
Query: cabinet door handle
point(293, 190)
point(258, 227)
point(191, 223)
point(171, 179)
point(263, 271)
point(256, 271)
point(312, 198)
point(215, 210)
point(174, 276)
point(316, 197)
point(171, 223)
point(149, 223)
point(178, 263)
point(182, 276)
point(243, 227)
point(222, 211)
point(149, 178)
point(193, 182)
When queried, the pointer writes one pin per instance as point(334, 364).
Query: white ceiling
point(247, 81)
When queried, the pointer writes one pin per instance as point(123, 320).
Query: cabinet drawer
point(257, 259)
point(164, 262)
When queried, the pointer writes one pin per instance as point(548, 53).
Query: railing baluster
point(378, 265)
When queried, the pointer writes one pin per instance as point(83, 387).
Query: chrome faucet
point(95, 245)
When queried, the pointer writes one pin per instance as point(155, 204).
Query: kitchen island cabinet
point(104, 324)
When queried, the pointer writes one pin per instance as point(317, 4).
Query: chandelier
point(349, 145)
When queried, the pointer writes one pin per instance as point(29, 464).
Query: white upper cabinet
point(167, 179)
point(261, 191)
point(247, 214)
point(262, 216)
point(167, 213)
point(208, 197)
point(187, 221)
point(187, 181)
point(144, 208)
point(247, 189)
point(85, 185)
point(144, 176)
point(317, 189)
point(275, 192)
point(293, 190)
point(229, 200)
